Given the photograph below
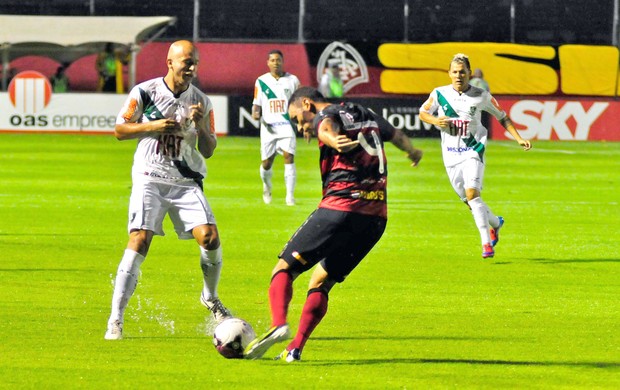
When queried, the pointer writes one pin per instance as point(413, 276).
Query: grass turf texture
point(423, 310)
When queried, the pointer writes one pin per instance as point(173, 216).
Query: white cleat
point(220, 312)
point(266, 194)
point(257, 347)
point(115, 331)
point(290, 201)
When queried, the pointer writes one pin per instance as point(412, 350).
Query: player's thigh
point(473, 174)
point(268, 147)
point(455, 175)
point(310, 243)
point(288, 145)
point(147, 207)
point(360, 234)
point(189, 208)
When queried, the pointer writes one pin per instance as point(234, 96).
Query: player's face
point(459, 74)
point(275, 62)
point(184, 66)
point(301, 116)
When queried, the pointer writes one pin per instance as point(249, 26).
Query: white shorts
point(468, 174)
point(270, 146)
point(184, 202)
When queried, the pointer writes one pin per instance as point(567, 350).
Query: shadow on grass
point(563, 261)
point(463, 361)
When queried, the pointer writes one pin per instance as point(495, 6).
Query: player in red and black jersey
point(350, 219)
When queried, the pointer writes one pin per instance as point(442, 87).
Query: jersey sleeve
point(386, 130)
point(209, 114)
point(257, 94)
point(492, 107)
point(132, 109)
point(430, 106)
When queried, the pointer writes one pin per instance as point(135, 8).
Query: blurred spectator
point(331, 85)
point(478, 80)
point(60, 81)
point(109, 65)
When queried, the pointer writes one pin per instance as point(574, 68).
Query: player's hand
point(196, 112)
point(344, 144)
point(415, 156)
point(168, 126)
point(526, 144)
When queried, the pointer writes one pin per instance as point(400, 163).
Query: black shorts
point(337, 239)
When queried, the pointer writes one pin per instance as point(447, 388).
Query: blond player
point(271, 94)
point(173, 124)
point(463, 142)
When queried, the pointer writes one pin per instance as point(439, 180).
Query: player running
point(463, 142)
point(173, 123)
point(350, 218)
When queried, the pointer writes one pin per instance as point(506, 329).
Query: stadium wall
point(564, 93)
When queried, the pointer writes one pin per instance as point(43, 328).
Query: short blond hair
point(461, 58)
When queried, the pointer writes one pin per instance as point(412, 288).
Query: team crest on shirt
point(472, 110)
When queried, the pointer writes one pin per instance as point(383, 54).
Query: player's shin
point(313, 312)
point(125, 283)
point(280, 295)
point(211, 264)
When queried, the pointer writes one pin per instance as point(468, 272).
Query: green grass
point(423, 310)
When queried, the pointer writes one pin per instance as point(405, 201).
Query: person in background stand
point(331, 85)
point(60, 81)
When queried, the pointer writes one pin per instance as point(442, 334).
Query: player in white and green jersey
point(456, 110)
point(271, 94)
point(172, 122)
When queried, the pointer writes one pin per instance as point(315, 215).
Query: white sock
point(492, 218)
point(211, 264)
point(265, 176)
point(290, 177)
point(479, 211)
point(125, 283)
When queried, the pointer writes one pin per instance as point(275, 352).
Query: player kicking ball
point(349, 221)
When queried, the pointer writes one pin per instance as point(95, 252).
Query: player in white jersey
point(173, 123)
point(463, 142)
point(271, 94)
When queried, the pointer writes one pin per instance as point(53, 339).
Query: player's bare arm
point(207, 140)
point(508, 125)
point(131, 130)
point(329, 134)
point(402, 142)
point(256, 112)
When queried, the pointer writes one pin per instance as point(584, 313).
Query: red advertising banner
point(565, 119)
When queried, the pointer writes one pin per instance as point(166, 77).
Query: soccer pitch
point(423, 310)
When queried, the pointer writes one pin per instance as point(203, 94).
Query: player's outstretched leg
point(265, 176)
point(280, 295)
point(313, 312)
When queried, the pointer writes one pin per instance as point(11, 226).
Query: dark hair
point(306, 92)
point(275, 51)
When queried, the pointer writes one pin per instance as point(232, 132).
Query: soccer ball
point(231, 336)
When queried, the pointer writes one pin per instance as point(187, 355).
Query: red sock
point(280, 294)
point(313, 312)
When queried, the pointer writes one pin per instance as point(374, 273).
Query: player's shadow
point(568, 261)
point(498, 362)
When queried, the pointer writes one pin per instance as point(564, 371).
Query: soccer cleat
point(266, 194)
point(257, 347)
point(220, 312)
point(487, 251)
point(290, 201)
point(495, 232)
point(294, 355)
point(115, 331)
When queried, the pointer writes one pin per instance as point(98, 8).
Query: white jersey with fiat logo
point(471, 138)
point(166, 157)
point(272, 96)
